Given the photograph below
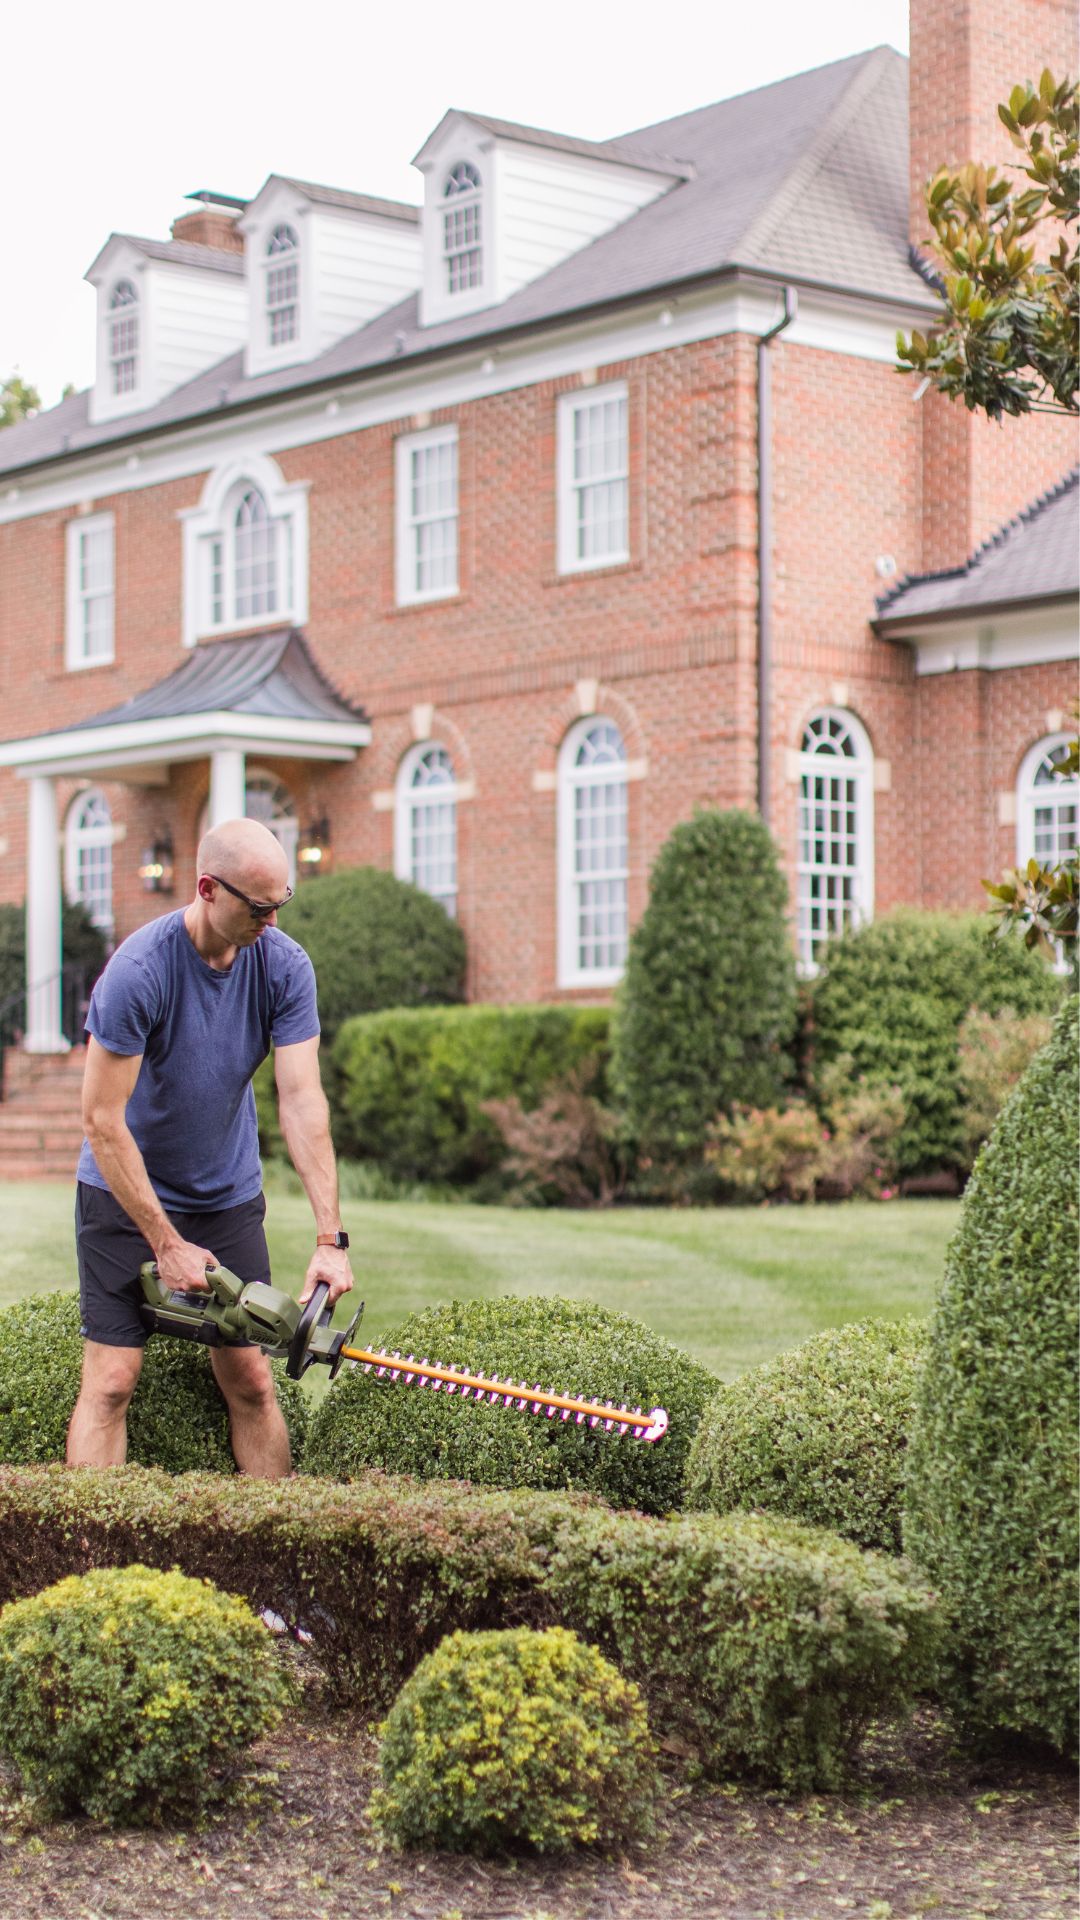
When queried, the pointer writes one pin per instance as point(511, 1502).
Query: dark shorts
point(111, 1250)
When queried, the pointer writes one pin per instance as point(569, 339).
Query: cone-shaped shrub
point(708, 1002)
point(991, 1505)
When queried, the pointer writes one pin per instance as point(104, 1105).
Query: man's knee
point(109, 1377)
point(246, 1380)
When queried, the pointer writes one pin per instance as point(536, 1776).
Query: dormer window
point(462, 248)
point(124, 337)
point(282, 287)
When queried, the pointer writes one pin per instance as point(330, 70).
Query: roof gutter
point(764, 553)
point(912, 626)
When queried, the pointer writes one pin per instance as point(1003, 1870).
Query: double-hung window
point(462, 239)
point(593, 479)
point(835, 857)
point(282, 287)
point(124, 337)
point(593, 854)
point(426, 831)
point(90, 590)
point(427, 515)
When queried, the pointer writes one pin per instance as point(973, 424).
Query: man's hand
point(182, 1266)
point(331, 1266)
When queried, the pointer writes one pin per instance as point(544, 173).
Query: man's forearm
point(305, 1123)
point(122, 1166)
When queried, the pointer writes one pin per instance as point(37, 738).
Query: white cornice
point(1029, 637)
point(182, 737)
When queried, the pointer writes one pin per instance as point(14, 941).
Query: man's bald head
point(246, 853)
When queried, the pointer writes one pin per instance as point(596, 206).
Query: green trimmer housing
point(238, 1313)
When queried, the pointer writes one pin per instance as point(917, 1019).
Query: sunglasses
point(258, 909)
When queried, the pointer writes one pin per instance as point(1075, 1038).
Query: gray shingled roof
point(1034, 557)
point(355, 202)
point(618, 150)
point(183, 253)
point(272, 675)
point(805, 179)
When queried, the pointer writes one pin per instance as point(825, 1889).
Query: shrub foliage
point(375, 941)
point(516, 1737)
point(121, 1690)
point(820, 1433)
point(995, 1050)
point(991, 1506)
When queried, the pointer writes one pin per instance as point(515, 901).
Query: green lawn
point(731, 1285)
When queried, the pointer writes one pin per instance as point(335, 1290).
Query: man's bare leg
point(97, 1433)
point(257, 1432)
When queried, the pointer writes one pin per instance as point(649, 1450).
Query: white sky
point(113, 113)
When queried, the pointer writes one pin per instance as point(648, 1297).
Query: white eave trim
point(994, 641)
point(184, 737)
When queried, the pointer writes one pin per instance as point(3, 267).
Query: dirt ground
point(919, 1833)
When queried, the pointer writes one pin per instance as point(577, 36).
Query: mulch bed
point(920, 1832)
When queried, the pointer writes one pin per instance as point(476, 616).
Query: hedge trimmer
point(233, 1313)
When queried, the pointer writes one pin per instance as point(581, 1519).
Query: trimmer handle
point(317, 1313)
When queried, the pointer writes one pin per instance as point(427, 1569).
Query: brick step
point(52, 1093)
point(49, 1140)
point(40, 1166)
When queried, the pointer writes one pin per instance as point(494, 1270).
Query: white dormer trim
point(207, 534)
point(190, 313)
point(278, 205)
point(119, 262)
point(458, 142)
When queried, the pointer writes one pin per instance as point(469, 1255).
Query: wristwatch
point(338, 1239)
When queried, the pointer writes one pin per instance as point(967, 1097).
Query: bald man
point(185, 1011)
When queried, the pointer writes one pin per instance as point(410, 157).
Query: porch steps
point(40, 1120)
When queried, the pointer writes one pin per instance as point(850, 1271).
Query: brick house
point(487, 538)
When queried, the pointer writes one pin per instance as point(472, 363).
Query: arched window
point(88, 857)
point(266, 798)
point(282, 287)
point(254, 558)
point(426, 824)
point(1046, 805)
point(245, 551)
point(594, 858)
point(124, 337)
point(835, 860)
point(462, 242)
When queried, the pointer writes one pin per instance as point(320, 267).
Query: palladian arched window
point(426, 824)
point(462, 236)
point(593, 855)
point(835, 856)
point(1046, 805)
point(124, 337)
point(88, 845)
point(282, 287)
point(254, 558)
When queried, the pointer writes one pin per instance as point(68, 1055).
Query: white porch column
point(43, 950)
point(228, 787)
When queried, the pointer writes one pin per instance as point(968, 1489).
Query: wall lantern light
point(157, 869)
point(313, 849)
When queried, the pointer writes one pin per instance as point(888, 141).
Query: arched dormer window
point(462, 236)
point(124, 337)
point(245, 551)
point(593, 855)
point(425, 849)
point(282, 287)
point(835, 858)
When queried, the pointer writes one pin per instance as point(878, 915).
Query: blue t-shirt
point(201, 1033)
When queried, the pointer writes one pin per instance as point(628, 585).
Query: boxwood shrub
point(123, 1688)
point(892, 995)
point(409, 1087)
point(177, 1418)
point(516, 1738)
point(991, 1503)
point(820, 1433)
point(565, 1346)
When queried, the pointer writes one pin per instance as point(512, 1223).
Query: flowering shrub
point(793, 1153)
point(569, 1148)
point(995, 1048)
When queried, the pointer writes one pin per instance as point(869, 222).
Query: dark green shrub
point(819, 1433)
point(82, 945)
point(708, 1003)
point(411, 1086)
point(570, 1347)
point(991, 1502)
point(995, 1049)
point(375, 941)
point(177, 1418)
point(516, 1738)
point(892, 995)
point(120, 1690)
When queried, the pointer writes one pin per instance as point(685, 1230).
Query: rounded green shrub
point(893, 994)
point(410, 1086)
point(516, 1738)
point(819, 1433)
point(121, 1689)
point(707, 1006)
point(570, 1347)
point(177, 1418)
point(375, 941)
point(991, 1501)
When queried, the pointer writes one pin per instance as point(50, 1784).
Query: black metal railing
point(75, 981)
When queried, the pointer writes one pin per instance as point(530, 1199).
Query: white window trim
point(569, 973)
point(403, 812)
point(75, 659)
point(287, 506)
point(407, 593)
point(568, 405)
point(861, 768)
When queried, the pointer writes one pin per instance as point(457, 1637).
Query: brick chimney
point(209, 227)
point(966, 56)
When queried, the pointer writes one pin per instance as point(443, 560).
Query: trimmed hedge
point(571, 1347)
point(819, 1433)
point(516, 1738)
point(768, 1644)
point(991, 1504)
point(121, 1690)
point(177, 1418)
point(409, 1087)
point(892, 995)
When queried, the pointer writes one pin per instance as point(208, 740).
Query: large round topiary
point(708, 1002)
point(893, 995)
point(991, 1503)
point(564, 1346)
point(120, 1691)
point(177, 1418)
point(819, 1433)
point(516, 1738)
point(375, 941)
